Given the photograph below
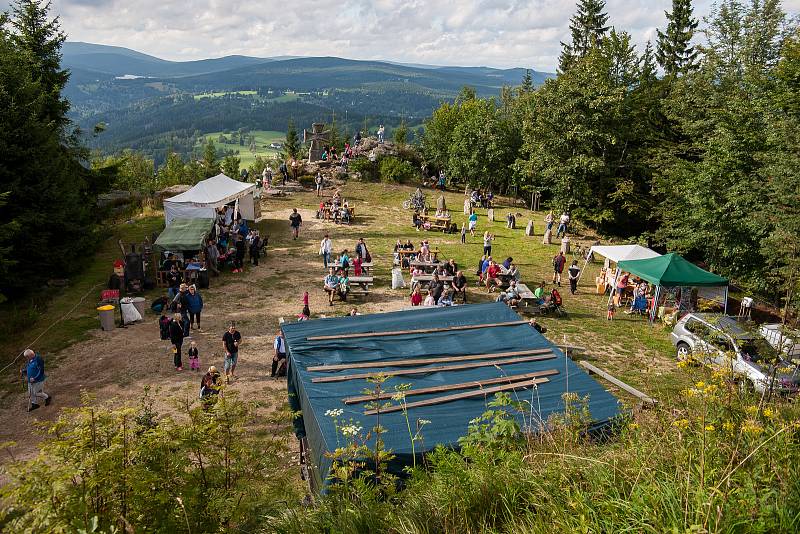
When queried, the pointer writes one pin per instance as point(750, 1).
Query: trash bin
point(140, 305)
point(106, 317)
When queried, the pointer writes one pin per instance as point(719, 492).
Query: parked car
point(720, 342)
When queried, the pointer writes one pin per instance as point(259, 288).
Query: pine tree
point(210, 163)
point(292, 143)
point(527, 83)
point(675, 53)
point(588, 27)
point(647, 65)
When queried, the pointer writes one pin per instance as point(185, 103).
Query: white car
point(720, 342)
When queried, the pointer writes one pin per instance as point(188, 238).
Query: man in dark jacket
point(176, 338)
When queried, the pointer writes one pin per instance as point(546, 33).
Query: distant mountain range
point(122, 87)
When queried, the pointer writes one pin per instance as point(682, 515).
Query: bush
point(307, 180)
point(366, 168)
point(392, 169)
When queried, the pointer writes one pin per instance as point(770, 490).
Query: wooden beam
point(460, 396)
point(450, 387)
point(423, 361)
point(426, 370)
point(421, 331)
point(617, 382)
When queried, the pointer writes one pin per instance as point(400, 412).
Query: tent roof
point(618, 253)
point(448, 421)
point(184, 234)
point(672, 270)
point(213, 191)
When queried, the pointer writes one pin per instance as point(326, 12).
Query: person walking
point(35, 377)
point(487, 243)
point(381, 132)
point(279, 358)
point(212, 257)
point(180, 304)
point(295, 165)
point(318, 181)
point(574, 272)
point(295, 220)
point(231, 340)
point(562, 225)
point(325, 248)
point(194, 357)
point(194, 303)
point(473, 222)
point(463, 233)
point(558, 267)
point(284, 171)
point(176, 338)
point(362, 251)
point(255, 249)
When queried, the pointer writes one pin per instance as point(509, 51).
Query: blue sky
point(498, 33)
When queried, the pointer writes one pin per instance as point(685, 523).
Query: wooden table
point(436, 223)
point(326, 212)
point(427, 279)
point(405, 252)
point(361, 284)
point(525, 294)
point(426, 266)
point(367, 266)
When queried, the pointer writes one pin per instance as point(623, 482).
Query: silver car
point(720, 342)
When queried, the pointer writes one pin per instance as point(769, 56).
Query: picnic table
point(436, 222)
point(427, 279)
point(326, 212)
point(405, 252)
point(360, 284)
point(367, 266)
point(427, 266)
point(525, 294)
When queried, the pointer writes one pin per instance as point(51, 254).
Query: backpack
point(556, 297)
point(163, 326)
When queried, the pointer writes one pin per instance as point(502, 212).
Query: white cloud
point(500, 33)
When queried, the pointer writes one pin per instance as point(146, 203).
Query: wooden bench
point(427, 279)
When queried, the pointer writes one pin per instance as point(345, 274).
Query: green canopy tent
point(184, 234)
point(672, 270)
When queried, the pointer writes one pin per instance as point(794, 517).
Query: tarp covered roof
point(184, 234)
point(448, 421)
point(618, 253)
point(217, 190)
point(672, 270)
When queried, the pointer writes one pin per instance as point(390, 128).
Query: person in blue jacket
point(34, 372)
point(194, 303)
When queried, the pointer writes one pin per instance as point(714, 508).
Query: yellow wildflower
point(681, 423)
point(752, 410)
point(768, 413)
point(633, 426)
point(752, 427)
point(727, 426)
point(700, 385)
point(709, 428)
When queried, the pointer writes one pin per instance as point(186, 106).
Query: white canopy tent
point(201, 201)
point(618, 253)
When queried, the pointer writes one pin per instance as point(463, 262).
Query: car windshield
point(757, 350)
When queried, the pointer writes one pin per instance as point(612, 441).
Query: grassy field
point(263, 140)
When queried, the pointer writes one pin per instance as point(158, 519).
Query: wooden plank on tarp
point(421, 331)
point(459, 396)
point(451, 387)
point(424, 361)
point(435, 369)
point(617, 382)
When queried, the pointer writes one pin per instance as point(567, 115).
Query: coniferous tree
point(527, 83)
point(675, 52)
point(292, 143)
point(588, 27)
point(50, 208)
point(210, 163)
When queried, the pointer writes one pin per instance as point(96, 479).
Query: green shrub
point(366, 168)
point(307, 180)
point(392, 169)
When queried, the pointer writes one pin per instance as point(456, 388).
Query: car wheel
point(683, 352)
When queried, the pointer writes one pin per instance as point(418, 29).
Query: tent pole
point(725, 308)
point(613, 289)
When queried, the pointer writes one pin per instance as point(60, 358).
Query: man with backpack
point(558, 267)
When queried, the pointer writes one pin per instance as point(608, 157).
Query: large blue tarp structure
point(448, 421)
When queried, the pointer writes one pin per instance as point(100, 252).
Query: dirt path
point(116, 366)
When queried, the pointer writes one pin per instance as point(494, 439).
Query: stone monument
point(318, 138)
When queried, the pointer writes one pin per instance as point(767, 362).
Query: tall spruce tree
point(587, 26)
point(675, 52)
point(52, 190)
point(292, 143)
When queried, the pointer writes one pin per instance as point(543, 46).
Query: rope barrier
point(93, 288)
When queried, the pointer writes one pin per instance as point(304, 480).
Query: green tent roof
point(184, 234)
point(671, 270)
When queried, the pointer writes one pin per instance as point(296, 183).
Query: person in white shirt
point(562, 225)
point(279, 359)
point(325, 248)
point(429, 300)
